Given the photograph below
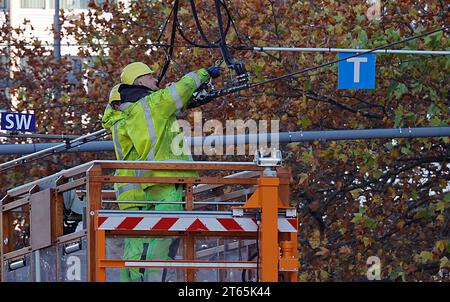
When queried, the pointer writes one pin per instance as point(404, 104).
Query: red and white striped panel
point(146, 223)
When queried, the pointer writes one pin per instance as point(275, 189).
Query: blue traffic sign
point(18, 121)
point(357, 72)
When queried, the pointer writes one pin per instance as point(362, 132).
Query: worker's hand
point(213, 71)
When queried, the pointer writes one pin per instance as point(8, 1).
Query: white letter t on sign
point(356, 67)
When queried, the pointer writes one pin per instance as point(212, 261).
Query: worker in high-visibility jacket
point(113, 119)
point(150, 124)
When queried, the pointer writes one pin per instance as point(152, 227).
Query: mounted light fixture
point(16, 264)
point(72, 247)
point(274, 160)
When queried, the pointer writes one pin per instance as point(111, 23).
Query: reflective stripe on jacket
point(150, 121)
point(124, 150)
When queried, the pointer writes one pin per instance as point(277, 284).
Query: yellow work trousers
point(152, 248)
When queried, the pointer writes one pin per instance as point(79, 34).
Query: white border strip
point(285, 226)
point(111, 223)
point(147, 223)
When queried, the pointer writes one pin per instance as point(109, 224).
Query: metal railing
point(41, 203)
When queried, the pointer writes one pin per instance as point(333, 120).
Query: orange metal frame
point(278, 258)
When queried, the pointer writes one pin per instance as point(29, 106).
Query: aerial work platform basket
point(235, 227)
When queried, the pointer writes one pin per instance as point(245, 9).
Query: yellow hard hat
point(114, 95)
point(133, 71)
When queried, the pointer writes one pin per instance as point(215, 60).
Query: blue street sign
point(357, 72)
point(18, 121)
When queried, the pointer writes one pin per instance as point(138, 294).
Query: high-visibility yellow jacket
point(124, 149)
point(151, 125)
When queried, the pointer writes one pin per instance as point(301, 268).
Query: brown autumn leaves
point(356, 198)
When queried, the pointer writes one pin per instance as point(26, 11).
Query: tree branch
point(328, 100)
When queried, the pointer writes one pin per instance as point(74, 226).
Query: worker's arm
point(173, 98)
point(111, 120)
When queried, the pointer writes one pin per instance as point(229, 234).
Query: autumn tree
point(356, 199)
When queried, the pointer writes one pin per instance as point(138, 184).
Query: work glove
point(213, 71)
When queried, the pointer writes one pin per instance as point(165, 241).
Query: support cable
point(352, 56)
point(172, 41)
point(199, 27)
point(198, 101)
point(208, 44)
point(164, 26)
point(53, 150)
point(39, 136)
point(232, 23)
point(84, 139)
